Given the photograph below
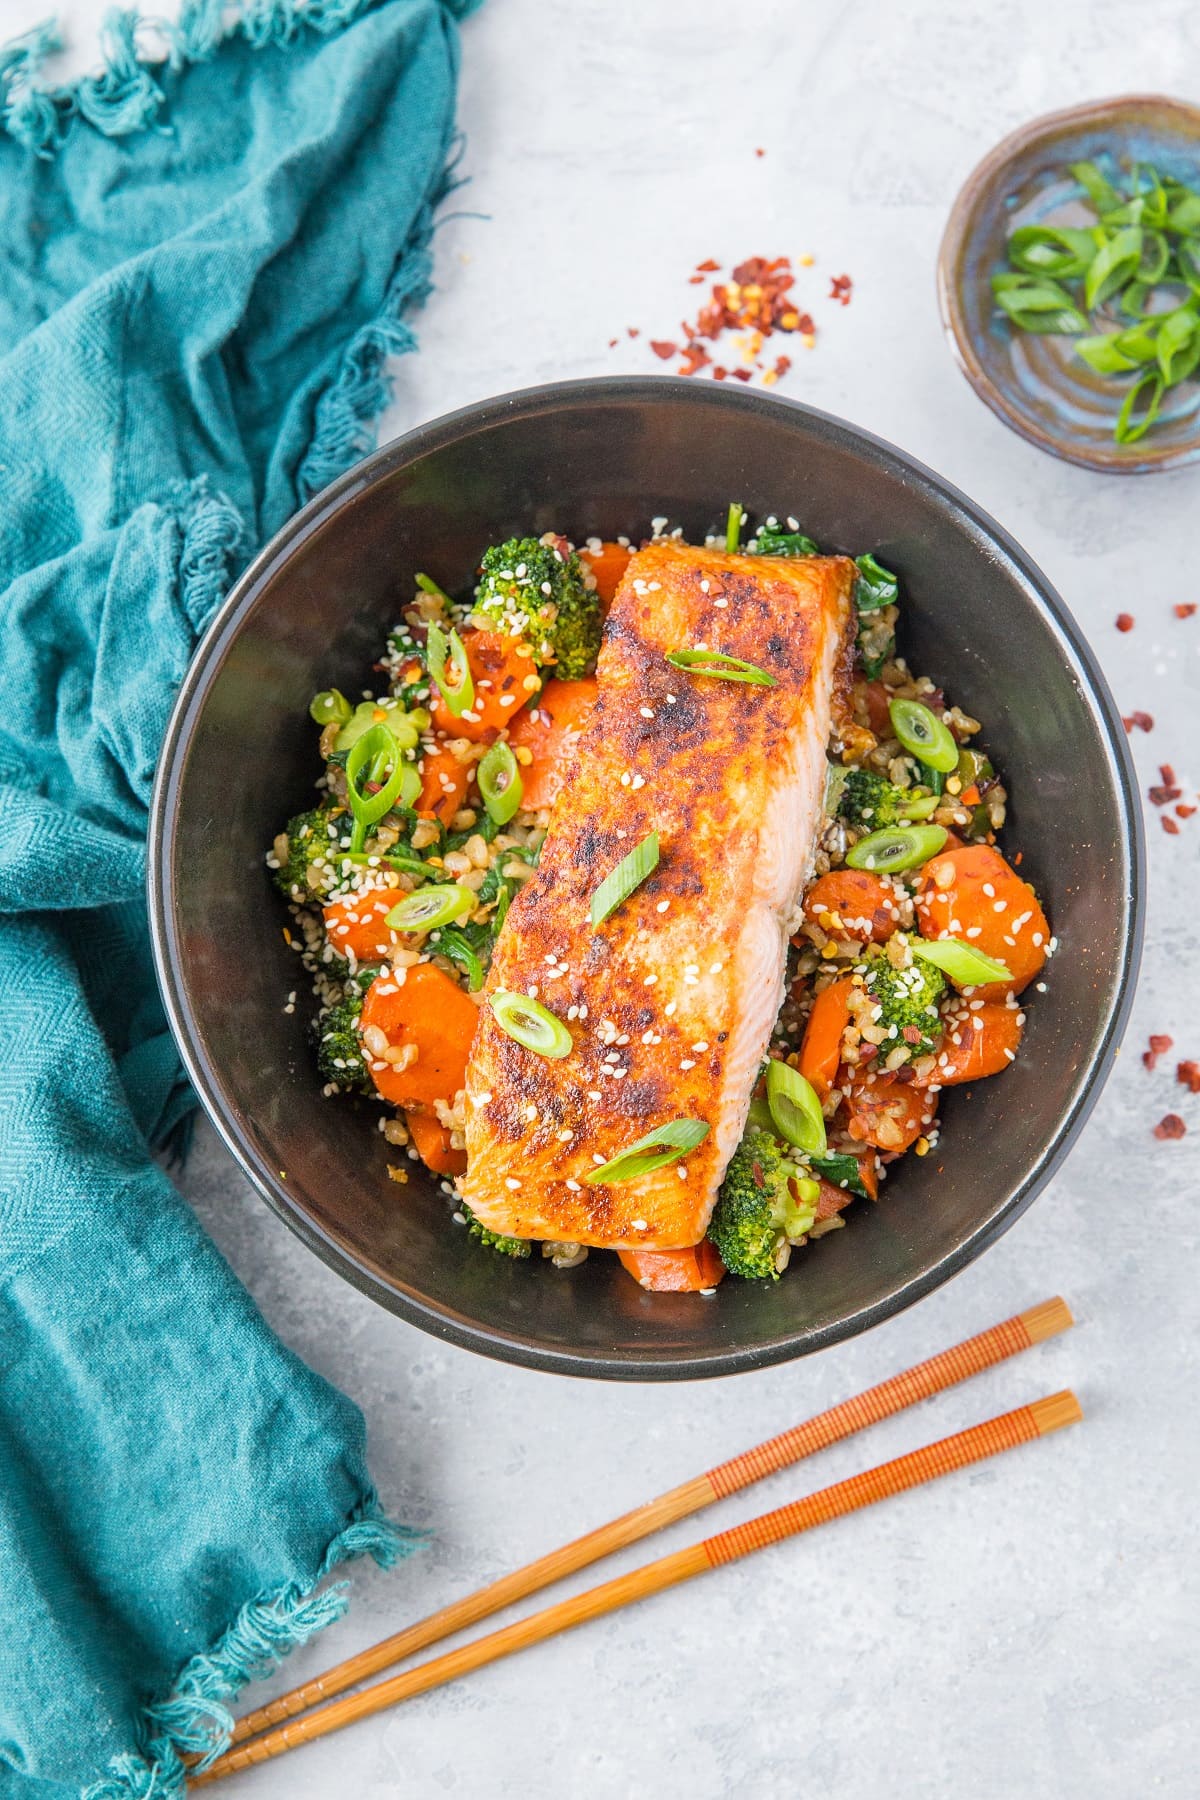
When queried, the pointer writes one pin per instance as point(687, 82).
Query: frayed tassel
point(33, 117)
point(195, 1721)
point(214, 534)
point(266, 22)
point(124, 98)
point(197, 34)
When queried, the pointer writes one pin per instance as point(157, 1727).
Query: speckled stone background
point(1029, 1628)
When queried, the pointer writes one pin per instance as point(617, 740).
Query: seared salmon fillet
point(671, 1001)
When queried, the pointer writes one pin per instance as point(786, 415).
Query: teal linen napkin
point(204, 266)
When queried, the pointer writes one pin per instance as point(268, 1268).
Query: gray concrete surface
point(1030, 1627)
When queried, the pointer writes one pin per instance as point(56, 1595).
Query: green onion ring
point(439, 904)
point(500, 784)
point(368, 809)
point(923, 735)
point(795, 1109)
point(720, 666)
point(966, 966)
point(446, 652)
point(620, 882)
point(665, 1144)
point(898, 847)
point(530, 1024)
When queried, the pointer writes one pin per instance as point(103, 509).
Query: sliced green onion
point(721, 667)
point(439, 904)
point(450, 670)
point(1099, 190)
point(663, 1145)
point(428, 585)
point(451, 943)
point(876, 586)
point(329, 708)
point(922, 733)
point(1129, 429)
point(375, 751)
point(1115, 264)
point(401, 861)
point(403, 726)
point(795, 1109)
point(1176, 339)
point(1183, 210)
point(1103, 353)
point(1156, 254)
point(899, 847)
point(759, 1115)
point(919, 806)
point(835, 781)
point(531, 1024)
point(1034, 303)
point(1187, 255)
point(500, 783)
point(733, 526)
point(966, 966)
point(1051, 250)
point(620, 882)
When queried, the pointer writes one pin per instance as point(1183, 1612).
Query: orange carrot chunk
point(884, 1111)
point(444, 784)
point(852, 903)
point(356, 924)
point(432, 1142)
point(985, 1038)
point(550, 732)
point(675, 1271)
point(500, 668)
point(821, 1051)
point(426, 1012)
point(607, 564)
point(973, 894)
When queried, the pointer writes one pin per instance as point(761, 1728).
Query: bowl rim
point(1151, 456)
point(444, 1321)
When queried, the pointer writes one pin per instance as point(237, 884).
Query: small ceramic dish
point(1036, 383)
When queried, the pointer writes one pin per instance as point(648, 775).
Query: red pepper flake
point(1170, 1126)
point(756, 1169)
point(1184, 812)
point(1125, 621)
point(755, 300)
point(783, 363)
point(663, 347)
point(911, 1035)
point(1019, 858)
point(1167, 774)
point(1188, 1075)
point(1162, 795)
point(840, 289)
point(634, 330)
point(613, 342)
point(1185, 610)
point(760, 153)
point(708, 266)
point(1142, 721)
point(695, 281)
point(719, 373)
point(742, 374)
point(694, 357)
point(1159, 1045)
point(1170, 826)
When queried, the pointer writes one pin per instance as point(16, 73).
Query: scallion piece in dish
point(329, 708)
point(439, 904)
point(667, 1143)
point(899, 847)
point(966, 966)
point(795, 1110)
point(450, 670)
point(500, 783)
point(733, 526)
point(922, 733)
point(428, 585)
point(371, 758)
point(720, 666)
point(629, 874)
point(531, 1024)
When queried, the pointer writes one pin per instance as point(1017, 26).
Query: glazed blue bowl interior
point(1036, 382)
point(606, 457)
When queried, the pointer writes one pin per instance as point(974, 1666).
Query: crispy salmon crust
point(671, 1001)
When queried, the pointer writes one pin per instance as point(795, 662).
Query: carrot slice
point(821, 1051)
point(853, 903)
point(985, 1038)
point(433, 1146)
point(550, 732)
point(889, 1113)
point(356, 924)
point(877, 709)
point(973, 894)
point(675, 1271)
point(430, 1012)
point(444, 784)
point(500, 666)
point(607, 564)
point(832, 1200)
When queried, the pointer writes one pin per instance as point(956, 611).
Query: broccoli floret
point(765, 1206)
point(536, 590)
point(339, 1047)
point(907, 1004)
point(874, 802)
point(494, 1240)
point(313, 841)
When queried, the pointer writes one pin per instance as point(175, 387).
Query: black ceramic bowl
point(607, 456)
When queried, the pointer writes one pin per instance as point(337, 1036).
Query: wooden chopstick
point(977, 1353)
point(941, 1458)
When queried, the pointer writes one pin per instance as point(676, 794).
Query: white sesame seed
point(597, 1158)
point(702, 1045)
point(662, 906)
point(639, 781)
point(650, 981)
point(687, 1063)
point(647, 712)
point(670, 1008)
point(574, 1186)
point(511, 1182)
point(670, 700)
point(594, 1094)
